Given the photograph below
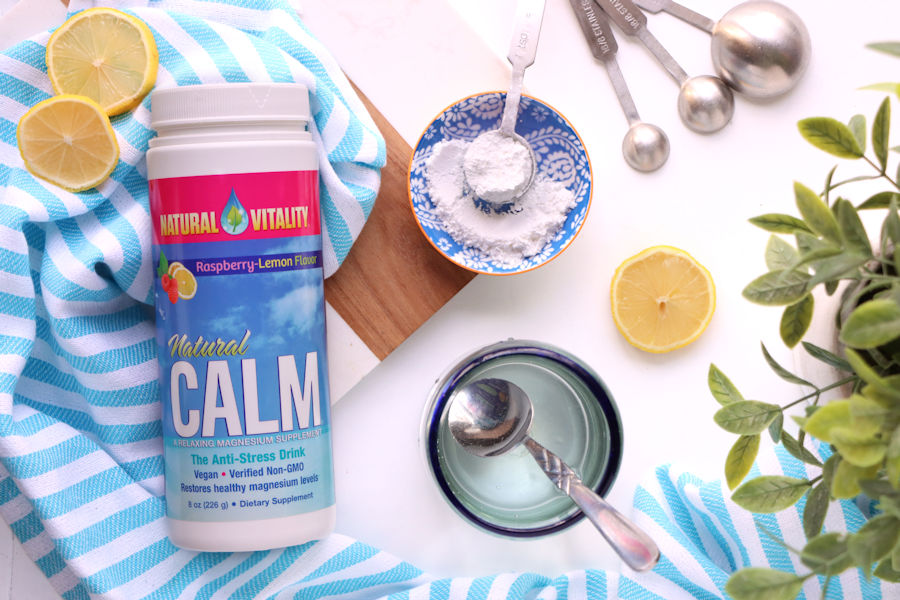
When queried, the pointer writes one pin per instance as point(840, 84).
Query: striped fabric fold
point(81, 474)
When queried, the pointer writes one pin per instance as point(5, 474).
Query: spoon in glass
point(645, 146)
point(495, 154)
point(489, 417)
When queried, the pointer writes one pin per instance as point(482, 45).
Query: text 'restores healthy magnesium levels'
point(240, 315)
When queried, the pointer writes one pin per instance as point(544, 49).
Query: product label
point(240, 322)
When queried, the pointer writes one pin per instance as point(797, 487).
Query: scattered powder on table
point(509, 236)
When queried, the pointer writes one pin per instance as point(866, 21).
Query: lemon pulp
point(68, 141)
point(662, 299)
point(106, 55)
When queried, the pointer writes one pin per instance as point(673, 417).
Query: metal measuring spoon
point(759, 48)
point(489, 417)
point(705, 102)
point(522, 50)
point(645, 146)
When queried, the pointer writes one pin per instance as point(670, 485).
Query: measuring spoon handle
point(522, 50)
point(600, 39)
point(633, 546)
point(680, 11)
point(632, 20)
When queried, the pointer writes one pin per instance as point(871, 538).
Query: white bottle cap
point(220, 103)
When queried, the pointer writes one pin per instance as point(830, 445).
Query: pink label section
point(212, 208)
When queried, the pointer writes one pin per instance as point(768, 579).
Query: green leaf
point(891, 227)
point(874, 540)
point(234, 218)
point(740, 459)
point(816, 509)
point(880, 385)
point(872, 324)
point(776, 427)
point(830, 416)
point(857, 126)
point(721, 387)
point(831, 136)
point(816, 213)
point(869, 415)
point(829, 358)
point(860, 449)
point(798, 450)
point(747, 417)
point(779, 254)
point(770, 493)
point(780, 223)
point(781, 371)
point(163, 267)
point(879, 200)
point(852, 228)
point(841, 266)
point(795, 321)
point(886, 47)
point(881, 130)
point(892, 457)
point(885, 86)
point(827, 554)
point(845, 483)
point(777, 288)
point(757, 583)
point(885, 571)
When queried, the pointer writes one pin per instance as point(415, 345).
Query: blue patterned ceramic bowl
point(561, 157)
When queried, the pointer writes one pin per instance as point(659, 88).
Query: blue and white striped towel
point(81, 478)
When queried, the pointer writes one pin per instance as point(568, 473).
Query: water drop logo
point(234, 216)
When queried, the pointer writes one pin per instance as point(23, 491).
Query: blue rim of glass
point(594, 385)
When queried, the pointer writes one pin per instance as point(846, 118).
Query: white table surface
point(412, 58)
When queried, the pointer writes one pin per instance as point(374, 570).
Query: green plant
point(861, 430)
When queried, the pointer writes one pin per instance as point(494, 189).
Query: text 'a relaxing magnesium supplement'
point(240, 317)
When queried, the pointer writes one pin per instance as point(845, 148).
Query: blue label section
point(240, 265)
point(243, 379)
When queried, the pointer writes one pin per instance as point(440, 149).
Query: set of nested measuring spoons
point(759, 48)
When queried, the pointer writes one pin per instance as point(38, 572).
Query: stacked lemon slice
point(101, 62)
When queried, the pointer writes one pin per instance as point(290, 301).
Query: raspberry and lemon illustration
point(177, 280)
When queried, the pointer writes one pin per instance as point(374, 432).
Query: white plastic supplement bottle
point(240, 317)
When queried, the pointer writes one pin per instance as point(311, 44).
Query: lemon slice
point(187, 283)
point(662, 299)
point(68, 141)
point(174, 266)
point(104, 54)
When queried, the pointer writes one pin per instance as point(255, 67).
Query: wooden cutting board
point(392, 280)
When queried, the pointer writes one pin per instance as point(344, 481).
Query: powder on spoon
point(498, 167)
point(507, 237)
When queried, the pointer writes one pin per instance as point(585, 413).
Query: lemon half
point(68, 141)
point(106, 55)
point(662, 299)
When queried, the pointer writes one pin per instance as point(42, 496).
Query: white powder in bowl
point(497, 166)
point(507, 237)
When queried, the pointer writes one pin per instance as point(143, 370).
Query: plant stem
point(880, 172)
point(818, 391)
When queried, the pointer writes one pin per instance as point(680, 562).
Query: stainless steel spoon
point(522, 50)
point(489, 417)
point(760, 48)
point(645, 146)
point(705, 102)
